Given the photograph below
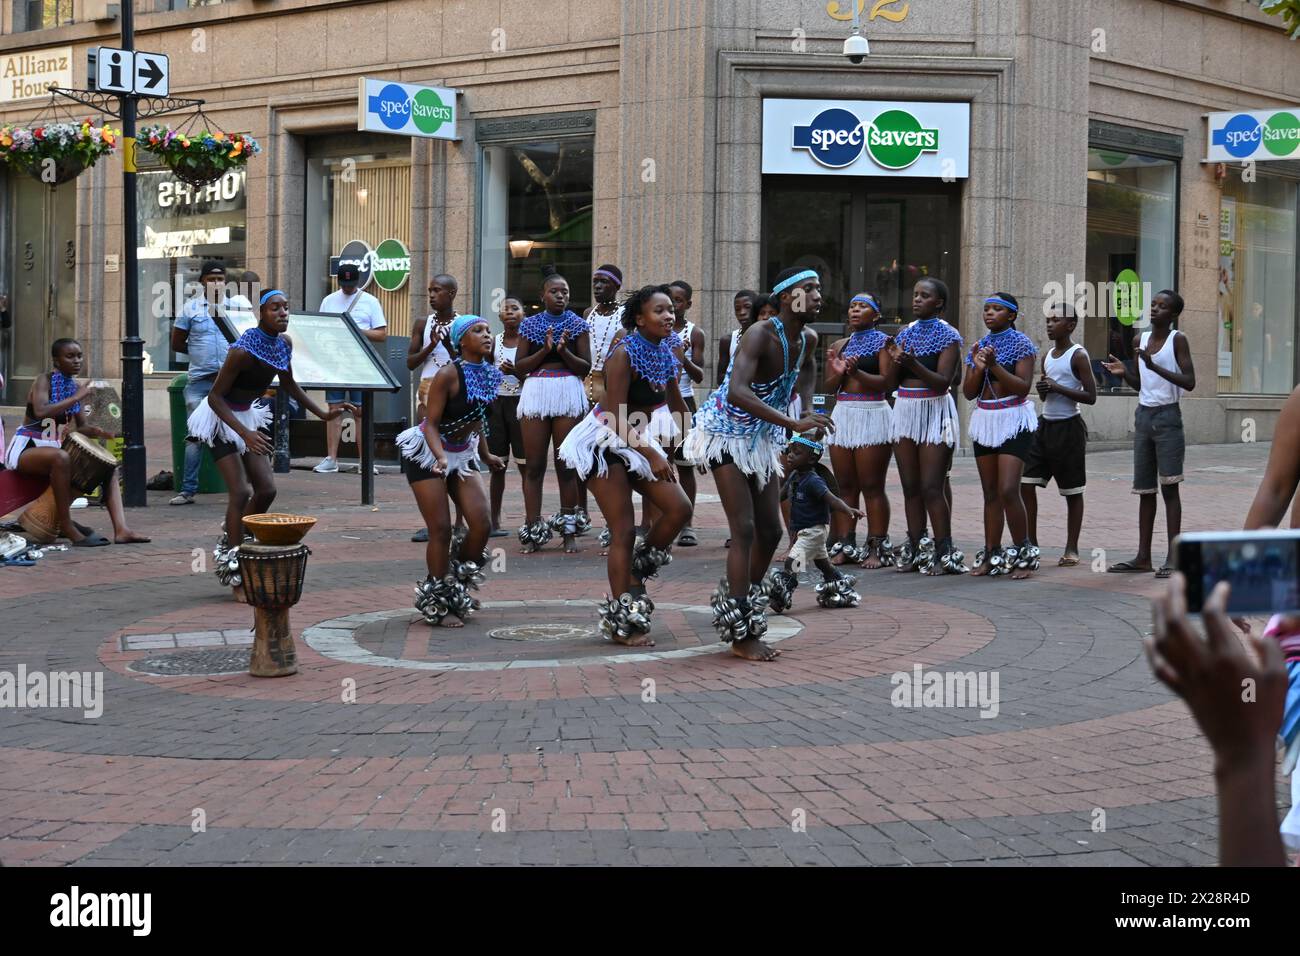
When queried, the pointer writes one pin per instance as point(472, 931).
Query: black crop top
point(869, 363)
point(459, 410)
point(642, 393)
point(930, 361)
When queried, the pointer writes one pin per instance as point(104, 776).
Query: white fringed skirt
point(925, 417)
point(462, 456)
point(663, 426)
point(995, 422)
point(552, 393)
point(585, 447)
point(861, 419)
point(205, 426)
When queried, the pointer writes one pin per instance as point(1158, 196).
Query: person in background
point(743, 304)
point(691, 356)
point(368, 315)
point(428, 348)
point(505, 437)
point(197, 333)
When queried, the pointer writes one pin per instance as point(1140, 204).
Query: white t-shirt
point(364, 308)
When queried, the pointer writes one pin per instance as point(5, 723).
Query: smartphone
point(1263, 568)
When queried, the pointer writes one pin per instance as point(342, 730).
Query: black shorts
point(416, 472)
point(1018, 445)
point(505, 436)
point(677, 456)
point(222, 448)
point(1059, 450)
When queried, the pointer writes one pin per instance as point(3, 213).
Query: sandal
point(687, 538)
point(1068, 561)
point(92, 540)
point(1127, 567)
point(1165, 571)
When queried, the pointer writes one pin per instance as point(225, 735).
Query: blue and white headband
point(794, 280)
point(458, 327)
point(868, 299)
point(800, 440)
point(267, 295)
point(995, 300)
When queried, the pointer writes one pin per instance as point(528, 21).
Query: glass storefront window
point(1257, 285)
point(1132, 227)
point(180, 227)
point(536, 210)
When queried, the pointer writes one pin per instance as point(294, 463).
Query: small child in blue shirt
point(811, 503)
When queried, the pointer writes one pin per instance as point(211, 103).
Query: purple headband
point(610, 276)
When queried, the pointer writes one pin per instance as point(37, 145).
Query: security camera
point(856, 48)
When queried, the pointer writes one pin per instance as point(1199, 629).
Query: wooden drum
point(91, 466)
point(273, 576)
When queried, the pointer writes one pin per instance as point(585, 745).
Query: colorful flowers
point(198, 156)
point(72, 147)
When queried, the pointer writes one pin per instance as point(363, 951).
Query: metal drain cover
point(541, 632)
point(195, 663)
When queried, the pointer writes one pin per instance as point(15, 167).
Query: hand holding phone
point(1262, 567)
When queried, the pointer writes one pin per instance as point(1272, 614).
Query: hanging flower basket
point(56, 153)
point(198, 159)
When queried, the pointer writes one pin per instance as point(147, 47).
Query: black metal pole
point(280, 464)
point(367, 451)
point(133, 454)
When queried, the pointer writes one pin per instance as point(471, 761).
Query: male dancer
point(740, 432)
point(428, 348)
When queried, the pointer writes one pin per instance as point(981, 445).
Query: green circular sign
point(896, 139)
point(1282, 134)
point(429, 112)
point(392, 265)
point(1126, 297)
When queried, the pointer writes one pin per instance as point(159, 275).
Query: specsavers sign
point(866, 138)
point(27, 75)
point(388, 107)
point(1263, 135)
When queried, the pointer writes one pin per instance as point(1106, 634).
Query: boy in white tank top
point(1061, 441)
point(1162, 373)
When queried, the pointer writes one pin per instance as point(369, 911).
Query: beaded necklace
point(928, 337)
point(271, 349)
point(1010, 346)
point(61, 387)
point(535, 327)
point(482, 379)
point(654, 362)
point(866, 342)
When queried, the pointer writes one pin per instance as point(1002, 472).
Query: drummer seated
point(53, 408)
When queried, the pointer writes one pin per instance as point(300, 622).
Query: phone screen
point(1263, 568)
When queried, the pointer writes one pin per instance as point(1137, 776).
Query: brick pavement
point(594, 754)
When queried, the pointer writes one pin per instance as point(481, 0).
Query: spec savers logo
point(395, 109)
point(1242, 135)
point(894, 140)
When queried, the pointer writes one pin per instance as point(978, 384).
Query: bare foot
point(451, 621)
point(980, 569)
point(839, 559)
point(1068, 560)
point(528, 549)
point(238, 593)
point(752, 649)
point(1020, 574)
point(871, 562)
point(635, 640)
point(130, 537)
point(571, 544)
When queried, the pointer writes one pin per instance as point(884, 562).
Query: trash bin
point(210, 480)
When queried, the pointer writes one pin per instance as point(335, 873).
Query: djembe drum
point(273, 571)
point(90, 467)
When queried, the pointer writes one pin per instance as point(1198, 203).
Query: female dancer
point(605, 320)
point(54, 404)
point(554, 355)
point(505, 437)
point(859, 368)
point(924, 358)
point(442, 454)
point(234, 421)
point(612, 450)
point(999, 374)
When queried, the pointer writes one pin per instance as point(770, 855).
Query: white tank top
point(509, 383)
point(603, 330)
point(735, 340)
point(439, 356)
point(1157, 391)
point(684, 382)
point(1058, 407)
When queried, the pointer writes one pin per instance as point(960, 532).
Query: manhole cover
point(195, 663)
point(542, 632)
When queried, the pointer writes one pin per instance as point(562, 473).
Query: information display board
point(329, 351)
